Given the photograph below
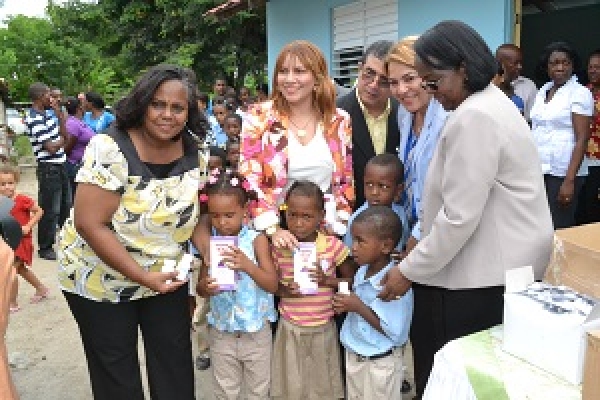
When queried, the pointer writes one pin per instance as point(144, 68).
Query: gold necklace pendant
point(300, 130)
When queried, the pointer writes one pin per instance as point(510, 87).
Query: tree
point(105, 45)
point(176, 31)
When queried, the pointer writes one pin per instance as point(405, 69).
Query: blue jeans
point(72, 170)
point(54, 197)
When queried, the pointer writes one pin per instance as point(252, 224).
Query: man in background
point(48, 138)
point(511, 58)
point(219, 90)
point(373, 113)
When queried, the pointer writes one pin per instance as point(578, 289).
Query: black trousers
point(562, 217)
point(54, 197)
point(109, 333)
point(441, 315)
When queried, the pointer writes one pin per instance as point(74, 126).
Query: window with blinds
point(355, 27)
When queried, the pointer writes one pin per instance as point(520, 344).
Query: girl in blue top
point(240, 335)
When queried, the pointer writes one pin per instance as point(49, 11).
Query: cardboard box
point(546, 326)
point(591, 383)
point(576, 259)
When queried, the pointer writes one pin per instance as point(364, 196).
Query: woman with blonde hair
point(420, 120)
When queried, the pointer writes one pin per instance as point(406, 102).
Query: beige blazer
point(484, 207)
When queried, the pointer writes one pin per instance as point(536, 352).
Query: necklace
point(300, 131)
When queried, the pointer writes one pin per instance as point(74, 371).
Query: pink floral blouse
point(264, 161)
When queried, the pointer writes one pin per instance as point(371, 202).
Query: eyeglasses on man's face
point(369, 75)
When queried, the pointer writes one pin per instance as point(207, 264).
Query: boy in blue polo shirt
point(374, 331)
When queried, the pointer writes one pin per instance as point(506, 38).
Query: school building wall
point(289, 20)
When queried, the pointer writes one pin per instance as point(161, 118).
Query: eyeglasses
point(431, 85)
point(369, 76)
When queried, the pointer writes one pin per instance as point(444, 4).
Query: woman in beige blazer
point(484, 208)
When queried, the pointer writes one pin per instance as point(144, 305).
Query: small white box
point(546, 326)
point(184, 266)
point(343, 288)
point(305, 259)
point(225, 277)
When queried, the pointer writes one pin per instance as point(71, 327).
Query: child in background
point(262, 92)
point(374, 331)
point(244, 98)
point(233, 126)
point(218, 123)
point(233, 154)
point(306, 357)
point(27, 213)
point(203, 102)
point(231, 102)
point(240, 334)
point(217, 159)
point(383, 183)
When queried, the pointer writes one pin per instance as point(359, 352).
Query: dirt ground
point(45, 352)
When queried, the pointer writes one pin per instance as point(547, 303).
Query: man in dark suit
point(373, 113)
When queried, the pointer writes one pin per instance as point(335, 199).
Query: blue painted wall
point(491, 18)
point(289, 20)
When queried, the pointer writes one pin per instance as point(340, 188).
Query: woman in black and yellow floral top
point(136, 205)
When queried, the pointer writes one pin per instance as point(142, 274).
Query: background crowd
point(442, 168)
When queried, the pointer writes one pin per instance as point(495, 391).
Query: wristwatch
point(270, 231)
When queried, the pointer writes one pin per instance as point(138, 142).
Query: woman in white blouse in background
point(560, 120)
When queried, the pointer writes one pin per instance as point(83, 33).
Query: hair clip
point(201, 186)
point(213, 179)
point(246, 185)
point(234, 181)
point(215, 172)
point(203, 198)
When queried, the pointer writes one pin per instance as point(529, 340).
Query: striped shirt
point(42, 129)
point(314, 309)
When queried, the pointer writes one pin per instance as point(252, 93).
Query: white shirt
point(526, 90)
point(312, 162)
point(552, 125)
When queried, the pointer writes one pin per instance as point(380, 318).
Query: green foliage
point(105, 45)
point(22, 146)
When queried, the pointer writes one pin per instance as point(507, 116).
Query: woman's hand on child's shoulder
point(207, 287)
point(284, 239)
